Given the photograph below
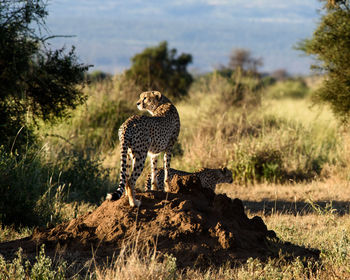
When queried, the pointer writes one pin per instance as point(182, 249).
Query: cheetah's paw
point(135, 203)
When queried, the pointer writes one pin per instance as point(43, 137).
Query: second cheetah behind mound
point(209, 178)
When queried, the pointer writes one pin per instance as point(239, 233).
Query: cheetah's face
point(149, 101)
point(226, 175)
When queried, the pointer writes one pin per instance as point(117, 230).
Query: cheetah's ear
point(157, 94)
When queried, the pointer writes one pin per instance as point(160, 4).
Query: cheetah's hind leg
point(154, 181)
point(167, 159)
point(123, 176)
point(133, 202)
point(138, 165)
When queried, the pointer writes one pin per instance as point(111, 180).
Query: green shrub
point(23, 179)
point(33, 190)
point(87, 180)
point(35, 81)
point(42, 268)
point(288, 89)
point(261, 165)
point(158, 68)
point(276, 150)
point(235, 91)
point(93, 128)
point(332, 59)
point(98, 76)
point(97, 127)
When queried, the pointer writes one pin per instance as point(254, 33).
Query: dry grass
point(313, 213)
point(332, 189)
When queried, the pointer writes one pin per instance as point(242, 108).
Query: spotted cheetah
point(140, 135)
point(209, 177)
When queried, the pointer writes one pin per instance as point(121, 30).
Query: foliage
point(33, 78)
point(242, 59)
point(43, 267)
point(282, 140)
point(93, 127)
point(158, 68)
point(230, 88)
point(330, 45)
point(86, 179)
point(97, 76)
point(33, 191)
point(280, 74)
point(262, 165)
point(22, 181)
point(291, 88)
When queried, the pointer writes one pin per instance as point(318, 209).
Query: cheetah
point(142, 135)
point(209, 178)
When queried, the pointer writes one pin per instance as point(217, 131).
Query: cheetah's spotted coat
point(209, 178)
point(140, 135)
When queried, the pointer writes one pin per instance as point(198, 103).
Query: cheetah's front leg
point(167, 159)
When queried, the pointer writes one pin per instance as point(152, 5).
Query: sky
point(108, 33)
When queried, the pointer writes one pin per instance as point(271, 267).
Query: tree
point(243, 60)
point(280, 74)
point(34, 80)
point(330, 46)
point(157, 68)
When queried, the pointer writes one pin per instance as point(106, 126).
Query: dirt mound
point(191, 223)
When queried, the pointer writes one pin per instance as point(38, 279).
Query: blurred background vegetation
point(59, 143)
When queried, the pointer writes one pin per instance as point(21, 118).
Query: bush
point(279, 151)
point(158, 68)
point(34, 80)
point(332, 59)
point(42, 268)
point(228, 92)
point(96, 129)
point(258, 166)
point(86, 179)
point(288, 89)
point(23, 180)
point(98, 76)
point(33, 190)
point(93, 127)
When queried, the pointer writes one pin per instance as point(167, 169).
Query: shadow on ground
point(267, 207)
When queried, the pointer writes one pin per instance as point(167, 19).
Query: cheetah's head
point(150, 100)
point(226, 175)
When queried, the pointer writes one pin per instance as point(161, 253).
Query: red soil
point(191, 223)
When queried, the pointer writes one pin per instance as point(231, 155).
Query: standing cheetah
point(140, 135)
point(209, 177)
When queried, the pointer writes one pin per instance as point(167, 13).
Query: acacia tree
point(330, 46)
point(242, 59)
point(158, 68)
point(33, 78)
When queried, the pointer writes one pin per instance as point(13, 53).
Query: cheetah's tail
point(123, 166)
point(148, 183)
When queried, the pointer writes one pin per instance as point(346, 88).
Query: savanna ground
point(290, 162)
